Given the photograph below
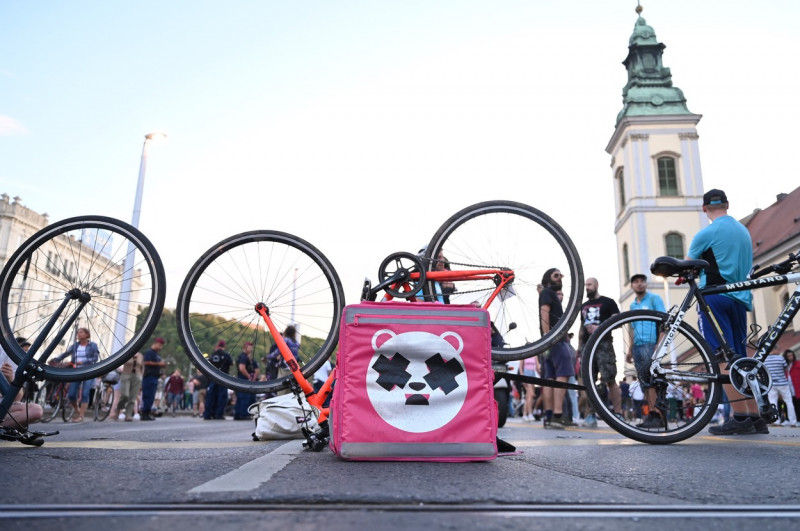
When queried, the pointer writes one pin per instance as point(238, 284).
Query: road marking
point(252, 475)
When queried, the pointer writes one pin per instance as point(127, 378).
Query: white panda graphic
point(416, 381)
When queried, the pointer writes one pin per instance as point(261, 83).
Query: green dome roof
point(649, 91)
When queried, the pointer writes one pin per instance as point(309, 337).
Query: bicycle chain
point(462, 264)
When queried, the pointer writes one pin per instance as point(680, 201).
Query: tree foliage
point(207, 334)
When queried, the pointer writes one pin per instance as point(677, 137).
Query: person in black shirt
point(216, 394)
point(558, 362)
point(247, 369)
point(594, 311)
point(200, 381)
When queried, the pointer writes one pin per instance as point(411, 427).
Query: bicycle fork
point(315, 400)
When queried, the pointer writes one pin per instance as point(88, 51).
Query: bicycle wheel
point(48, 400)
point(688, 360)
point(505, 234)
point(103, 403)
point(90, 272)
point(290, 276)
point(67, 409)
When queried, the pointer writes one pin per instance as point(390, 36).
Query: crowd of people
point(145, 392)
point(726, 245)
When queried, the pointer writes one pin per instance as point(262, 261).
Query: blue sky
point(362, 125)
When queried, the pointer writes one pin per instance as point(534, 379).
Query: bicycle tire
point(691, 354)
point(49, 405)
point(92, 255)
point(513, 235)
point(103, 403)
point(67, 409)
point(218, 297)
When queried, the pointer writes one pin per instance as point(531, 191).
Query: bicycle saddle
point(667, 266)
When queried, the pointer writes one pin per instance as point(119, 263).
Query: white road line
point(252, 475)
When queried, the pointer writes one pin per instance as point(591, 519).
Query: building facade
point(658, 185)
point(655, 164)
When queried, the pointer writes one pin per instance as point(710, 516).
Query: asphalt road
point(211, 475)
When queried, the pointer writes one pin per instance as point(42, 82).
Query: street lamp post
point(121, 325)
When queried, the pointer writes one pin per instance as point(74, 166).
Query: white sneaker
point(786, 423)
point(527, 418)
point(121, 416)
point(136, 416)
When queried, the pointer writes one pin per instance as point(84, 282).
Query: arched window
point(626, 269)
point(674, 245)
point(667, 177)
point(621, 187)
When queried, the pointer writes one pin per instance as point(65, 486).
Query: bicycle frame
point(27, 368)
point(768, 340)
point(503, 279)
point(765, 344)
point(315, 399)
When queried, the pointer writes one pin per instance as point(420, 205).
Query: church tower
point(655, 164)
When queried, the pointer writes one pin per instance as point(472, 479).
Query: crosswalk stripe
point(252, 475)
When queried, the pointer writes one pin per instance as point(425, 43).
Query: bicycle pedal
point(770, 414)
point(44, 433)
point(32, 441)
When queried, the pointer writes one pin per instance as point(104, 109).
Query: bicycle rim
point(110, 264)
point(291, 277)
point(67, 410)
point(688, 409)
point(49, 406)
point(104, 403)
point(505, 234)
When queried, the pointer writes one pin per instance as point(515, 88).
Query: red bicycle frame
point(315, 399)
point(502, 277)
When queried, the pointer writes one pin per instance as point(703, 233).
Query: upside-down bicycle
point(248, 288)
point(94, 272)
point(680, 356)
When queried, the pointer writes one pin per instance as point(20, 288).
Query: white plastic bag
point(281, 417)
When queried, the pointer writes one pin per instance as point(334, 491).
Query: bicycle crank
point(751, 379)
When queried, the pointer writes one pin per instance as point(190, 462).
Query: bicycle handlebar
point(780, 268)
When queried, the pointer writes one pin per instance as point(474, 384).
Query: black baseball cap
point(714, 197)
point(638, 276)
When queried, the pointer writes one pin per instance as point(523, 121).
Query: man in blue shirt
point(726, 245)
point(640, 350)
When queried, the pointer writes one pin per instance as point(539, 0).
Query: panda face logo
point(414, 370)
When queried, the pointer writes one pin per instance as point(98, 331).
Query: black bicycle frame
point(770, 338)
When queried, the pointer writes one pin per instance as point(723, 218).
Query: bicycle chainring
point(744, 370)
